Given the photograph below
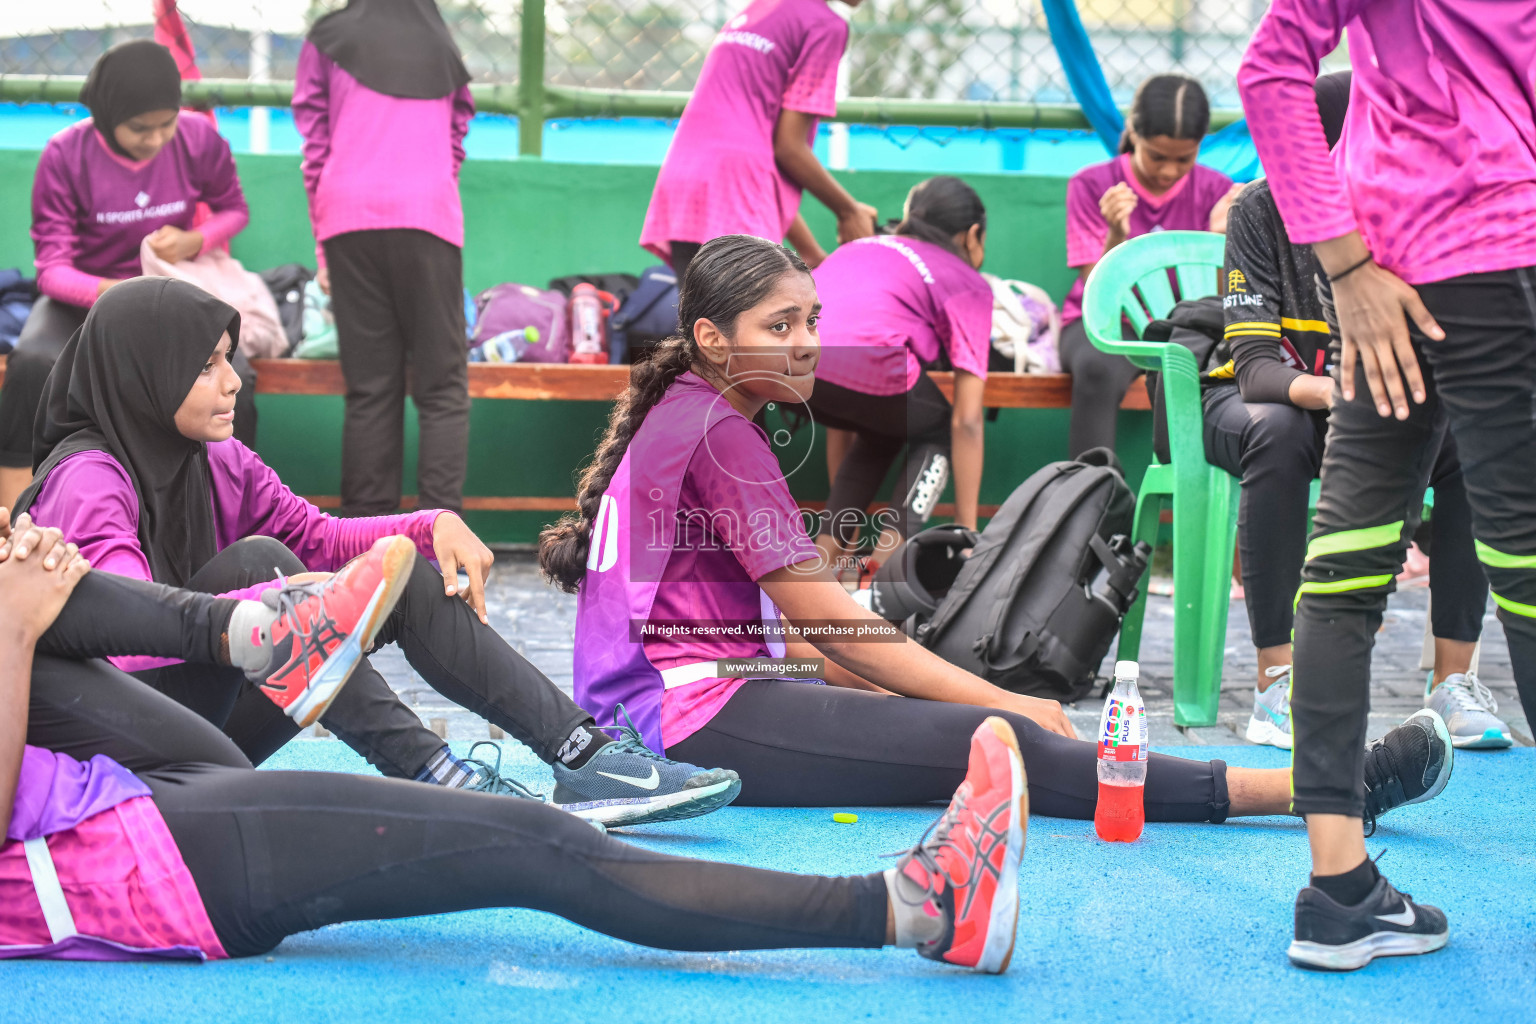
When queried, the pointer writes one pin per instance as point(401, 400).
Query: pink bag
point(221, 275)
point(512, 307)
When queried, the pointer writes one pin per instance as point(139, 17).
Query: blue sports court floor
point(1189, 924)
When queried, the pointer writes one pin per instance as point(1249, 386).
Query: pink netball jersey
point(88, 870)
point(1185, 207)
point(889, 304)
point(719, 176)
point(697, 512)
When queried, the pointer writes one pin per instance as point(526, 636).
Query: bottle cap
point(1127, 670)
point(531, 333)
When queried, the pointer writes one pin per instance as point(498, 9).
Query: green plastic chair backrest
point(1132, 281)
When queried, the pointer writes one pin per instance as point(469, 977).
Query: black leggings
point(1099, 380)
point(882, 424)
point(461, 657)
point(85, 708)
point(276, 853)
point(1277, 450)
point(43, 336)
point(801, 745)
point(1481, 383)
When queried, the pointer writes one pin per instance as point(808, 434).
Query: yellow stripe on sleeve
point(1319, 326)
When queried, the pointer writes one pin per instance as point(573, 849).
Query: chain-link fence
point(916, 49)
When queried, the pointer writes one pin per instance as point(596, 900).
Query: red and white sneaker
point(323, 629)
point(969, 864)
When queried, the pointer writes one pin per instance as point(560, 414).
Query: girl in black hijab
point(381, 98)
point(135, 170)
point(136, 465)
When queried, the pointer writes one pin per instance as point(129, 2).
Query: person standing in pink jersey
point(1153, 185)
point(134, 170)
point(742, 151)
point(382, 100)
point(1422, 224)
point(892, 306)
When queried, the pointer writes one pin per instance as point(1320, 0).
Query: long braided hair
point(729, 276)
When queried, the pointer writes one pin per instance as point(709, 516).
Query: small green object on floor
point(843, 818)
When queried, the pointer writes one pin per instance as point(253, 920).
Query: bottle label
point(1124, 735)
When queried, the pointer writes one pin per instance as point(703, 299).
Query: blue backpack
point(647, 317)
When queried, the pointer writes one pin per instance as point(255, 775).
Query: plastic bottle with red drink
point(1120, 814)
point(588, 344)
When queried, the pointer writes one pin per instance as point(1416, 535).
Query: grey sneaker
point(627, 783)
point(1271, 721)
point(1468, 709)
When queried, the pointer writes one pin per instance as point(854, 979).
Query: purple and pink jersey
point(890, 304)
point(1437, 163)
point(1186, 206)
point(90, 497)
point(373, 161)
point(697, 513)
point(91, 208)
point(89, 871)
point(719, 176)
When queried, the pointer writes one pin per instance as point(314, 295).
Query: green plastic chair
point(1133, 281)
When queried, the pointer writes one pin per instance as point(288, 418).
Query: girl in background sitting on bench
point(742, 151)
point(688, 549)
point(1153, 185)
point(136, 465)
point(382, 100)
point(891, 305)
point(180, 860)
point(135, 169)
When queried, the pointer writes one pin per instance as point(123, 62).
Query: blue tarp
point(1229, 150)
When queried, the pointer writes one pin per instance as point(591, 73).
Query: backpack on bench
point(1038, 602)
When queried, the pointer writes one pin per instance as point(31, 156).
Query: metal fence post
point(530, 85)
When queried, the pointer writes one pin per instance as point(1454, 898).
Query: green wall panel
point(529, 221)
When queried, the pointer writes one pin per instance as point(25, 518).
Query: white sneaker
point(1271, 721)
point(1468, 709)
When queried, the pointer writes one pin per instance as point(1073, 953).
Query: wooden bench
point(542, 382)
point(558, 381)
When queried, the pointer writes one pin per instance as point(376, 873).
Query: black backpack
point(1038, 602)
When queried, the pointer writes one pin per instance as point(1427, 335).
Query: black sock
point(579, 747)
point(1352, 886)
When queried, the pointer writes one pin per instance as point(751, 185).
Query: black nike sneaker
point(1331, 937)
point(1409, 765)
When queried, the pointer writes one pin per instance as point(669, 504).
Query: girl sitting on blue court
point(688, 549)
point(136, 464)
point(190, 861)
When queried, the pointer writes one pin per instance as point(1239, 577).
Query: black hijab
point(128, 80)
point(397, 47)
point(116, 389)
point(1332, 104)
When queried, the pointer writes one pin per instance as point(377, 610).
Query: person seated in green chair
point(1268, 425)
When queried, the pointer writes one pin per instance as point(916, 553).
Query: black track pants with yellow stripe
point(1482, 387)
